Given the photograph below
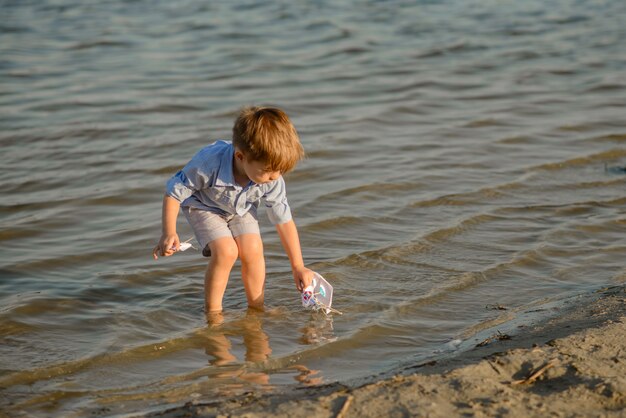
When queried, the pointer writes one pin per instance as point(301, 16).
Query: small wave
point(402, 255)
point(445, 234)
point(12, 233)
point(162, 108)
point(521, 55)
point(599, 125)
point(7, 27)
point(198, 27)
point(330, 224)
point(33, 185)
point(113, 200)
point(167, 170)
point(518, 140)
point(483, 123)
point(39, 204)
point(462, 199)
point(100, 44)
point(73, 105)
point(453, 48)
point(606, 87)
point(85, 258)
point(604, 156)
point(346, 50)
point(462, 282)
point(374, 190)
point(545, 208)
point(434, 85)
point(10, 327)
point(568, 19)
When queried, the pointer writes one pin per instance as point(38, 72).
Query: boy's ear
point(239, 155)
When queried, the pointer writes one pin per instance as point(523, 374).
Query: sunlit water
point(460, 154)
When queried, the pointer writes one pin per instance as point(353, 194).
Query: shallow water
point(460, 154)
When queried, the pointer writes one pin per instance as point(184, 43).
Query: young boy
point(219, 191)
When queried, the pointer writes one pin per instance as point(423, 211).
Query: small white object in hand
point(184, 246)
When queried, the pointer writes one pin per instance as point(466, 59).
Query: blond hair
point(266, 134)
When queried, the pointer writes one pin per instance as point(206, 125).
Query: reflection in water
point(307, 376)
point(256, 342)
point(255, 367)
point(319, 329)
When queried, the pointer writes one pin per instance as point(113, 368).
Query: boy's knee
point(224, 250)
point(252, 251)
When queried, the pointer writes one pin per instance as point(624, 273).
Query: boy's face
point(257, 171)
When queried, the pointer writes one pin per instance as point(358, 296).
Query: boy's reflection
point(219, 347)
point(256, 342)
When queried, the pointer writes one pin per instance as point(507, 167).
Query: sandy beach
point(572, 365)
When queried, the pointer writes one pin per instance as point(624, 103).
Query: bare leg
point(223, 256)
point(252, 268)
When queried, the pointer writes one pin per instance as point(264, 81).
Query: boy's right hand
point(168, 245)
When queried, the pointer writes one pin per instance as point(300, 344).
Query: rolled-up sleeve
point(275, 199)
point(185, 182)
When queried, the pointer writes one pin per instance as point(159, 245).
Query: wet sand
point(571, 365)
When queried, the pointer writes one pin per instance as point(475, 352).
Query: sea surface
point(466, 164)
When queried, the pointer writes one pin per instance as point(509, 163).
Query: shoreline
point(572, 364)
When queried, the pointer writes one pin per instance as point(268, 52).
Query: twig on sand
point(344, 408)
point(535, 374)
point(497, 337)
point(493, 367)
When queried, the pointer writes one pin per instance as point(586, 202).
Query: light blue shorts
point(209, 226)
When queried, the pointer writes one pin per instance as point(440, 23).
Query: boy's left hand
point(303, 277)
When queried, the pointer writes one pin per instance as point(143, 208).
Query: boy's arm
point(169, 242)
point(291, 243)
